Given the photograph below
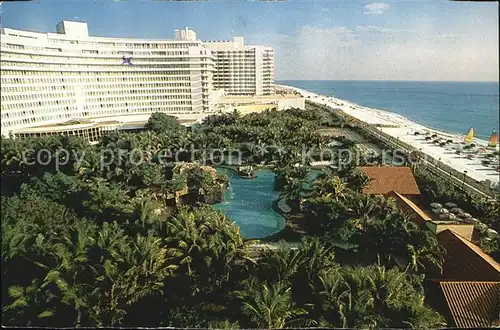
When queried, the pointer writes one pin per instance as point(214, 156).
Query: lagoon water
point(448, 106)
point(249, 203)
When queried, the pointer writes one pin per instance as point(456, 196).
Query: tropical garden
point(101, 235)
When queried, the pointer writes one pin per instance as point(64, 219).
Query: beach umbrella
point(447, 216)
point(457, 210)
point(450, 205)
point(436, 205)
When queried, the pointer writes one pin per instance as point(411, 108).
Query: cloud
point(368, 52)
point(325, 11)
point(378, 29)
point(376, 8)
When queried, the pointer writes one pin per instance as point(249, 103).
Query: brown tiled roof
point(466, 261)
point(413, 206)
point(384, 179)
point(472, 304)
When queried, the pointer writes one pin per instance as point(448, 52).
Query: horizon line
point(393, 80)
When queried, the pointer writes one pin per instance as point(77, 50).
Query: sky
point(419, 40)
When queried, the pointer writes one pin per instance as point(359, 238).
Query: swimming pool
point(249, 203)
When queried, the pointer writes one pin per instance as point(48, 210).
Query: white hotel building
point(101, 83)
point(242, 69)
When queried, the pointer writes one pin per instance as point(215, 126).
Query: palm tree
point(269, 305)
point(280, 265)
point(90, 165)
point(374, 297)
point(30, 303)
point(337, 300)
point(362, 206)
point(207, 247)
point(186, 235)
point(292, 192)
point(426, 252)
point(332, 185)
point(147, 214)
point(316, 255)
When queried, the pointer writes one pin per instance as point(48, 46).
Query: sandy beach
point(404, 129)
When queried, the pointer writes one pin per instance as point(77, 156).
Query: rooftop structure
point(471, 304)
point(424, 219)
point(278, 101)
point(243, 69)
point(185, 34)
point(465, 261)
point(385, 179)
point(94, 128)
point(467, 292)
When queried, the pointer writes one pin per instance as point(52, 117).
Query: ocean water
point(453, 107)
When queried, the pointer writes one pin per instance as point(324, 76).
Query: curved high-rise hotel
point(53, 78)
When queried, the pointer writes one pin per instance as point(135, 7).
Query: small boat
point(493, 141)
point(470, 136)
